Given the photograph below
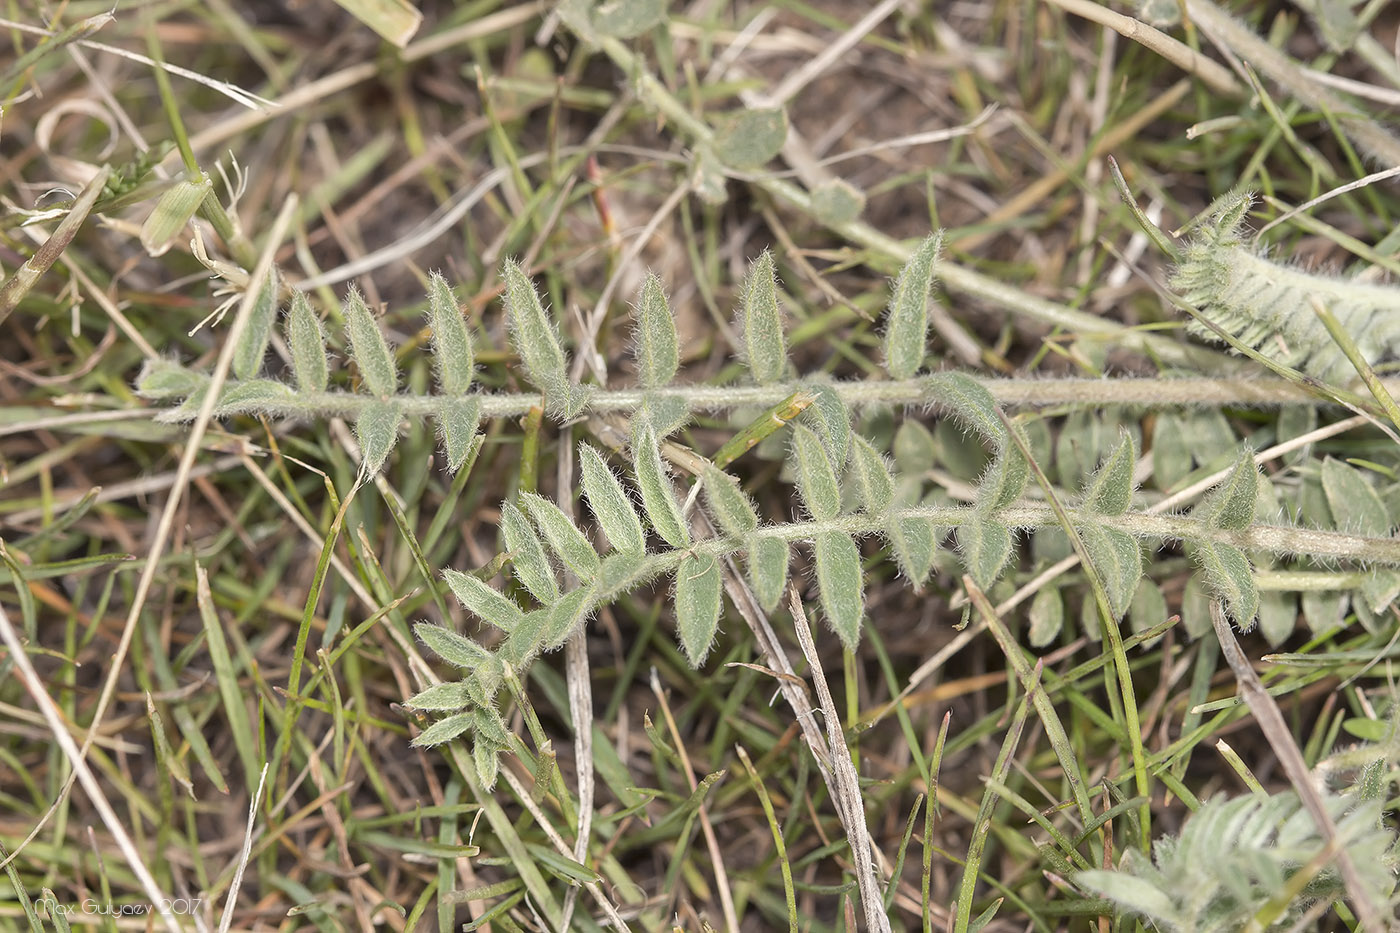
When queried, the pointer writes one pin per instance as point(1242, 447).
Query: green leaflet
point(906, 324)
point(442, 698)
point(1117, 558)
point(1110, 490)
point(248, 355)
point(750, 138)
point(458, 420)
point(915, 450)
point(658, 498)
point(761, 322)
point(816, 480)
point(1047, 615)
point(840, 584)
point(768, 569)
point(828, 417)
point(487, 762)
point(836, 202)
point(377, 430)
point(1004, 480)
point(566, 615)
point(563, 536)
point(453, 648)
point(163, 379)
point(727, 504)
point(1354, 503)
point(452, 344)
point(985, 547)
point(255, 395)
point(667, 413)
point(308, 346)
point(527, 555)
point(658, 352)
point(914, 542)
point(610, 503)
point(698, 587)
point(1228, 576)
point(870, 476)
point(1231, 504)
point(970, 403)
point(483, 601)
point(367, 348)
point(444, 730)
point(534, 337)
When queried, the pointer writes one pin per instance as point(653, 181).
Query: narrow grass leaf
point(1231, 504)
point(534, 337)
point(1354, 502)
point(906, 324)
point(761, 322)
point(830, 419)
point(368, 349)
point(698, 587)
point(658, 497)
point(658, 351)
point(816, 480)
point(444, 730)
point(377, 430)
point(231, 692)
point(452, 343)
point(458, 419)
point(173, 211)
point(527, 556)
point(611, 505)
point(985, 547)
point(442, 698)
point(562, 535)
point(840, 584)
point(727, 504)
point(1117, 557)
point(750, 138)
point(1227, 575)
point(248, 355)
point(1047, 615)
point(1110, 490)
point(483, 600)
point(869, 474)
point(768, 569)
point(457, 650)
point(308, 346)
point(914, 542)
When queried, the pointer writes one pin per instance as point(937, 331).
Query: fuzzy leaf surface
point(906, 323)
point(458, 418)
point(970, 403)
point(750, 138)
point(727, 504)
point(1231, 504)
point(658, 351)
point(1110, 490)
point(483, 600)
point(455, 649)
point(367, 347)
point(698, 588)
point(830, 419)
point(1117, 557)
point(308, 346)
point(914, 542)
point(534, 337)
point(452, 344)
point(611, 505)
point(377, 430)
point(985, 546)
point(248, 355)
point(532, 567)
point(761, 322)
point(816, 480)
point(870, 476)
point(768, 569)
point(563, 536)
point(840, 584)
point(1354, 502)
point(658, 497)
point(1229, 577)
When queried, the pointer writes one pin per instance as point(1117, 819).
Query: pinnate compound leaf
point(534, 337)
point(308, 346)
point(610, 503)
point(698, 587)
point(768, 569)
point(750, 138)
point(452, 344)
point(906, 324)
point(1117, 558)
point(658, 497)
point(761, 322)
point(727, 503)
point(483, 601)
point(870, 476)
point(1047, 616)
point(1354, 503)
point(532, 567)
point(658, 351)
point(840, 584)
point(831, 421)
point(968, 401)
point(563, 536)
point(1110, 490)
point(914, 542)
point(985, 547)
point(816, 480)
point(252, 347)
point(367, 347)
point(377, 430)
point(1231, 504)
point(1228, 576)
point(455, 649)
point(442, 698)
point(444, 730)
point(458, 418)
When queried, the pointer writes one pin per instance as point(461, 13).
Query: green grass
point(218, 618)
